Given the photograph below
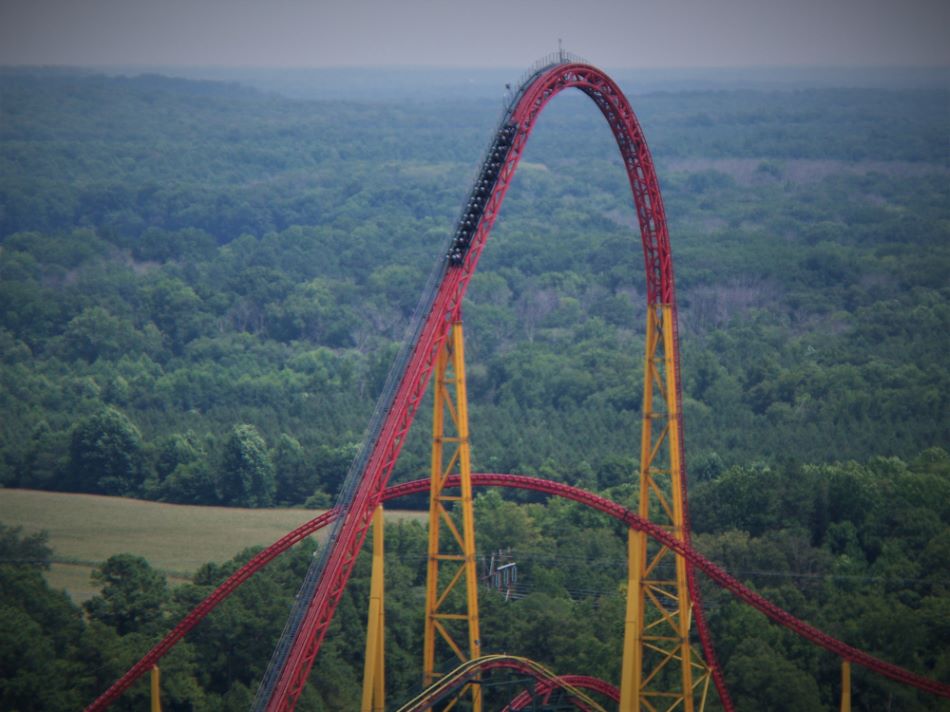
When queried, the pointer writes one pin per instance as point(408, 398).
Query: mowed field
point(85, 530)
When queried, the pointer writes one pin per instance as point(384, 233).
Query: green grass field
point(176, 539)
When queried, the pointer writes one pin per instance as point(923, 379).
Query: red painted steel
point(660, 289)
point(581, 682)
point(545, 685)
point(558, 489)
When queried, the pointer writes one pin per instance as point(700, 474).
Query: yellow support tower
point(661, 671)
point(449, 611)
point(374, 664)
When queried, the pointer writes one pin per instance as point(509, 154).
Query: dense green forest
point(202, 287)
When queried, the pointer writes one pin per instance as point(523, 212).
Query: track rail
point(547, 682)
point(535, 484)
point(583, 682)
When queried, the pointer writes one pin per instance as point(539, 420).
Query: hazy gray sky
point(489, 33)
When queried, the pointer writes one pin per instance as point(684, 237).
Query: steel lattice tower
point(451, 618)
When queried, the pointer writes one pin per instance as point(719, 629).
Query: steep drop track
point(535, 484)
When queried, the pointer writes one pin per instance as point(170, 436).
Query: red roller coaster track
point(290, 666)
point(403, 395)
point(535, 484)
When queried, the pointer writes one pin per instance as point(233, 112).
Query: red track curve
point(545, 683)
point(576, 494)
point(583, 682)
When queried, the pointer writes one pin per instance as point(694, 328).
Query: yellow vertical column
point(674, 444)
point(435, 515)
point(451, 557)
point(845, 685)
point(156, 689)
point(374, 663)
point(659, 665)
point(631, 680)
point(468, 513)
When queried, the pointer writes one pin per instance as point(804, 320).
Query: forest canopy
point(183, 259)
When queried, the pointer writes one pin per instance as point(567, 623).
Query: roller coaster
point(662, 668)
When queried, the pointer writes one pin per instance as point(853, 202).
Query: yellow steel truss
point(374, 664)
point(451, 560)
point(661, 670)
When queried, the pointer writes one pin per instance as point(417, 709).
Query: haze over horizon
point(490, 34)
